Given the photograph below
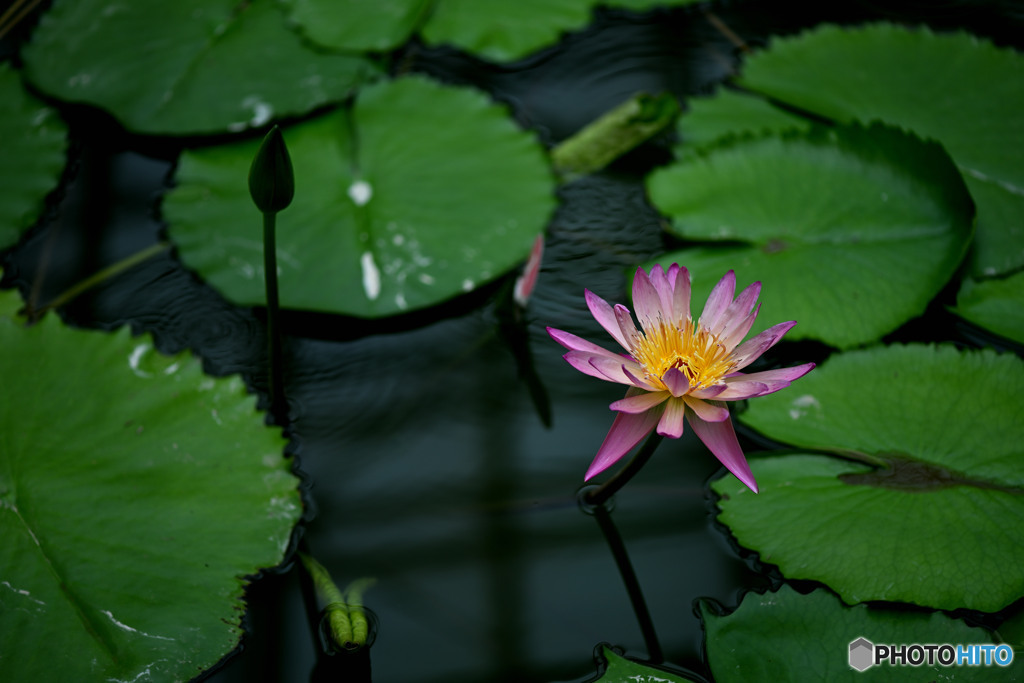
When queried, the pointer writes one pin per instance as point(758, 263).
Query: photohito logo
point(864, 654)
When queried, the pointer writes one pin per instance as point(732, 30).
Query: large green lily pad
point(34, 139)
point(136, 496)
point(954, 88)
point(852, 230)
point(996, 305)
point(420, 192)
point(185, 67)
point(379, 25)
point(787, 636)
point(731, 113)
point(935, 518)
point(504, 31)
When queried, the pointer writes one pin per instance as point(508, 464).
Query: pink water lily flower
point(677, 367)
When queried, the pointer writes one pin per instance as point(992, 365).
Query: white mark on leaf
point(360, 192)
point(371, 276)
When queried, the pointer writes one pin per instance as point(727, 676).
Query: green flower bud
point(271, 181)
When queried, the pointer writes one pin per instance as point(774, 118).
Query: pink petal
point(664, 284)
point(680, 294)
point(640, 402)
point(718, 300)
point(708, 412)
point(709, 392)
point(626, 326)
point(676, 381)
point(780, 374)
point(633, 373)
point(671, 423)
point(626, 431)
point(527, 280)
point(750, 350)
point(614, 369)
point(738, 390)
point(646, 298)
point(735, 332)
point(596, 366)
point(720, 439)
point(605, 316)
point(737, 312)
point(759, 384)
point(574, 343)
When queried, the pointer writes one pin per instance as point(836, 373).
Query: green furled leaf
point(185, 67)
point(852, 230)
point(504, 31)
point(136, 494)
point(616, 132)
point(420, 192)
point(379, 25)
point(996, 305)
point(958, 89)
point(34, 139)
point(940, 520)
point(787, 636)
point(732, 113)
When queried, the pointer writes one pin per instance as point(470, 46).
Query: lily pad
point(996, 305)
point(852, 230)
point(955, 88)
point(504, 31)
point(933, 513)
point(785, 636)
point(380, 25)
point(35, 139)
point(136, 496)
point(615, 668)
point(418, 193)
point(186, 67)
point(732, 113)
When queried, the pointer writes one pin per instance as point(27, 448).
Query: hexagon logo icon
point(862, 654)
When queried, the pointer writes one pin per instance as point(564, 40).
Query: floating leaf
point(504, 31)
point(185, 67)
point(852, 230)
point(419, 193)
point(939, 522)
point(955, 88)
point(785, 636)
point(34, 139)
point(615, 668)
point(996, 305)
point(732, 113)
point(380, 25)
point(136, 494)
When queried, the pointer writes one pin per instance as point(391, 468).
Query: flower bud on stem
point(272, 187)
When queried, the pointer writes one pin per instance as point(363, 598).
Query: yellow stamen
point(690, 347)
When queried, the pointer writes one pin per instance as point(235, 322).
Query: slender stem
point(278, 406)
point(103, 275)
point(636, 596)
point(598, 496)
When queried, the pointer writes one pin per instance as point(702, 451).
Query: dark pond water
point(428, 465)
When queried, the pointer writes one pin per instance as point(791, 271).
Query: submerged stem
point(636, 596)
point(102, 276)
point(599, 495)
